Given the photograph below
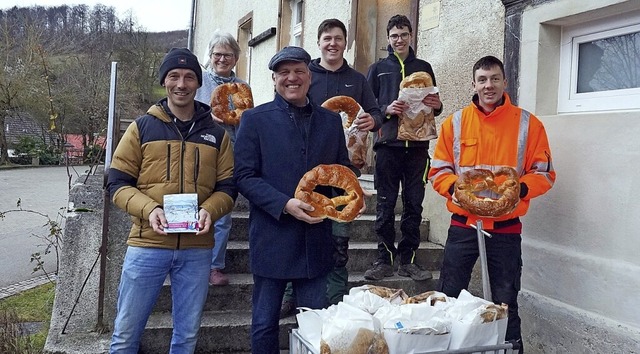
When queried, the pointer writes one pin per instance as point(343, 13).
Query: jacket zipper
point(168, 162)
point(196, 170)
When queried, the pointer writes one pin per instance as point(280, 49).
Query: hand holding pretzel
point(323, 207)
point(471, 182)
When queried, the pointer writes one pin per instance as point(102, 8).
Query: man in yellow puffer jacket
point(175, 148)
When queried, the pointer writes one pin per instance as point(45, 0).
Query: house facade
point(573, 63)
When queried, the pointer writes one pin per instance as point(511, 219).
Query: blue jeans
point(222, 227)
point(267, 297)
point(143, 273)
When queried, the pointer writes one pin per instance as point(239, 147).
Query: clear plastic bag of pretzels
point(357, 143)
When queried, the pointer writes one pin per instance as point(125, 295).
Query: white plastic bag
point(360, 297)
point(310, 324)
point(349, 330)
point(467, 329)
point(413, 96)
point(410, 328)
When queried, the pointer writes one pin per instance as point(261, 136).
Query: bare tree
point(56, 64)
point(17, 79)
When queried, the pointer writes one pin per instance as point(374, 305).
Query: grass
point(34, 305)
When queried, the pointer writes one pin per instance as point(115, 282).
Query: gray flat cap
point(290, 53)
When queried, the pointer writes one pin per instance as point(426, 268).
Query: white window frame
point(569, 100)
point(296, 22)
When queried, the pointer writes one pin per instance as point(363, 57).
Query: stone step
point(237, 295)
point(221, 332)
point(361, 256)
point(226, 328)
point(360, 229)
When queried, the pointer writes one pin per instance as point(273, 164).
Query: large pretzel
point(240, 97)
point(422, 126)
point(419, 79)
point(494, 312)
point(473, 181)
point(335, 176)
point(356, 140)
point(344, 104)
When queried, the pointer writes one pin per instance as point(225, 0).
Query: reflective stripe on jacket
point(508, 136)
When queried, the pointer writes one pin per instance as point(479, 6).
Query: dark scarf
point(219, 80)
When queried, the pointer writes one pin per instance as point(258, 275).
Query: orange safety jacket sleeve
point(442, 170)
point(539, 174)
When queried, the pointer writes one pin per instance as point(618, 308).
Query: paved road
point(42, 189)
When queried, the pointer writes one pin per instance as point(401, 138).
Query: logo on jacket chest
point(209, 137)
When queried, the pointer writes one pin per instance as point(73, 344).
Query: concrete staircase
point(227, 319)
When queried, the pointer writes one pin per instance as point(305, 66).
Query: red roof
point(76, 140)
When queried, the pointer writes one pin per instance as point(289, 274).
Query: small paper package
point(414, 328)
point(475, 322)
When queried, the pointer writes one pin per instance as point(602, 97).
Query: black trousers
point(504, 262)
point(397, 166)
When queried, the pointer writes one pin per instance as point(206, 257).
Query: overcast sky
point(154, 15)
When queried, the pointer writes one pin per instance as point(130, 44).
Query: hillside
point(168, 40)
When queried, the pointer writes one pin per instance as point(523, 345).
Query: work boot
point(517, 345)
point(379, 271)
point(216, 277)
point(414, 271)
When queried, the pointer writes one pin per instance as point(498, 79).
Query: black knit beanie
point(179, 58)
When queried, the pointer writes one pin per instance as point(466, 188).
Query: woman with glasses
point(223, 52)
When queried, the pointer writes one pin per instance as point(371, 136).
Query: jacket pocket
point(468, 152)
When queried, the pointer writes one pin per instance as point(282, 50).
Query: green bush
point(50, 155)
point(93, 154)
point(29, 147)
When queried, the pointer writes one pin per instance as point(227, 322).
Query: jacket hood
point(392, 55)
point(315, 67)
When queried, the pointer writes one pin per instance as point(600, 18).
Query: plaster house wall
point(387, 9)
point(581, 238)
point(317, 11)
point(225, 15)
point(578, 239)
point(452, 47)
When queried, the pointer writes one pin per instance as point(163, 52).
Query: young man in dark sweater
point(398, 161)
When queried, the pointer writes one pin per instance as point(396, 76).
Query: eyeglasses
point(403, 35)
point(227, 56)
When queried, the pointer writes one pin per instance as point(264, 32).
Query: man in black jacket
point(398, 160)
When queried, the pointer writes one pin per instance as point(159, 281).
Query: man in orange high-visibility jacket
point(490, 133)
